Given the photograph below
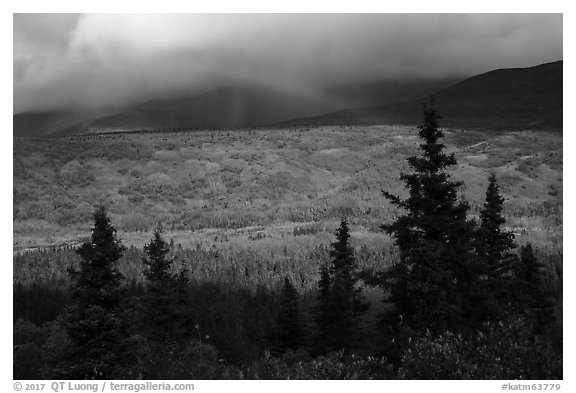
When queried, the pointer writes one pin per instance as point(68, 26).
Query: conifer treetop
point(491, 214)
point(493, 243)
point(105, 248)
point(433, 157)
point(157, 265)
point(342, 253)
point(434, 209)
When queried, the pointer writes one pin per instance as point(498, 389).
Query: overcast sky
point(66, 60)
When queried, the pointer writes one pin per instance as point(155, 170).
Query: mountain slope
point(226, 107)
point(516, 98)
point(220, 108)
point(38, 124)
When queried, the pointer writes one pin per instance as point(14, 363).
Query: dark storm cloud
point(97, 59)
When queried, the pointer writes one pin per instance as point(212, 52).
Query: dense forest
point(448, 297)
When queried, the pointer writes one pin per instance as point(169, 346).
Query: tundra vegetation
point(324, 253)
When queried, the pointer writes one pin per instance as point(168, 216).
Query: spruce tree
point(436, 278)
point(164, 319)
point(289, 332)
point(101, 345)
point(157, 266)
point(493, 244)
point(340, 296)
point(158, 303)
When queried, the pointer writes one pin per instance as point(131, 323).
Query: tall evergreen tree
point(437, 276)
point(101, 345)
point(341, 299)
point(289, 332)
point(160, 301)
point(164, 319)
point(494, 244)
point(157, 266)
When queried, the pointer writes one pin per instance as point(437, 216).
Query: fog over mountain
point(106, 61)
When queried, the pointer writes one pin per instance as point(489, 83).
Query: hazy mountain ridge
point(225, 107)
point(515, 98)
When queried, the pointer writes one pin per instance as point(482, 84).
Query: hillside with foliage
point(341, 268)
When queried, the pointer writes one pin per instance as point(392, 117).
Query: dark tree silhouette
point(101, 345)
point(493, 244)
point(340, 300)
point(161, 305)
point(157, 270)
point(289, 333)
point(165, 316)
point(437, 277)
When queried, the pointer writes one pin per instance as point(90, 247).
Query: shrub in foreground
point(504, 350)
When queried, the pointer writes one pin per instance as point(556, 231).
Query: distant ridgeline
point(504, 99)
